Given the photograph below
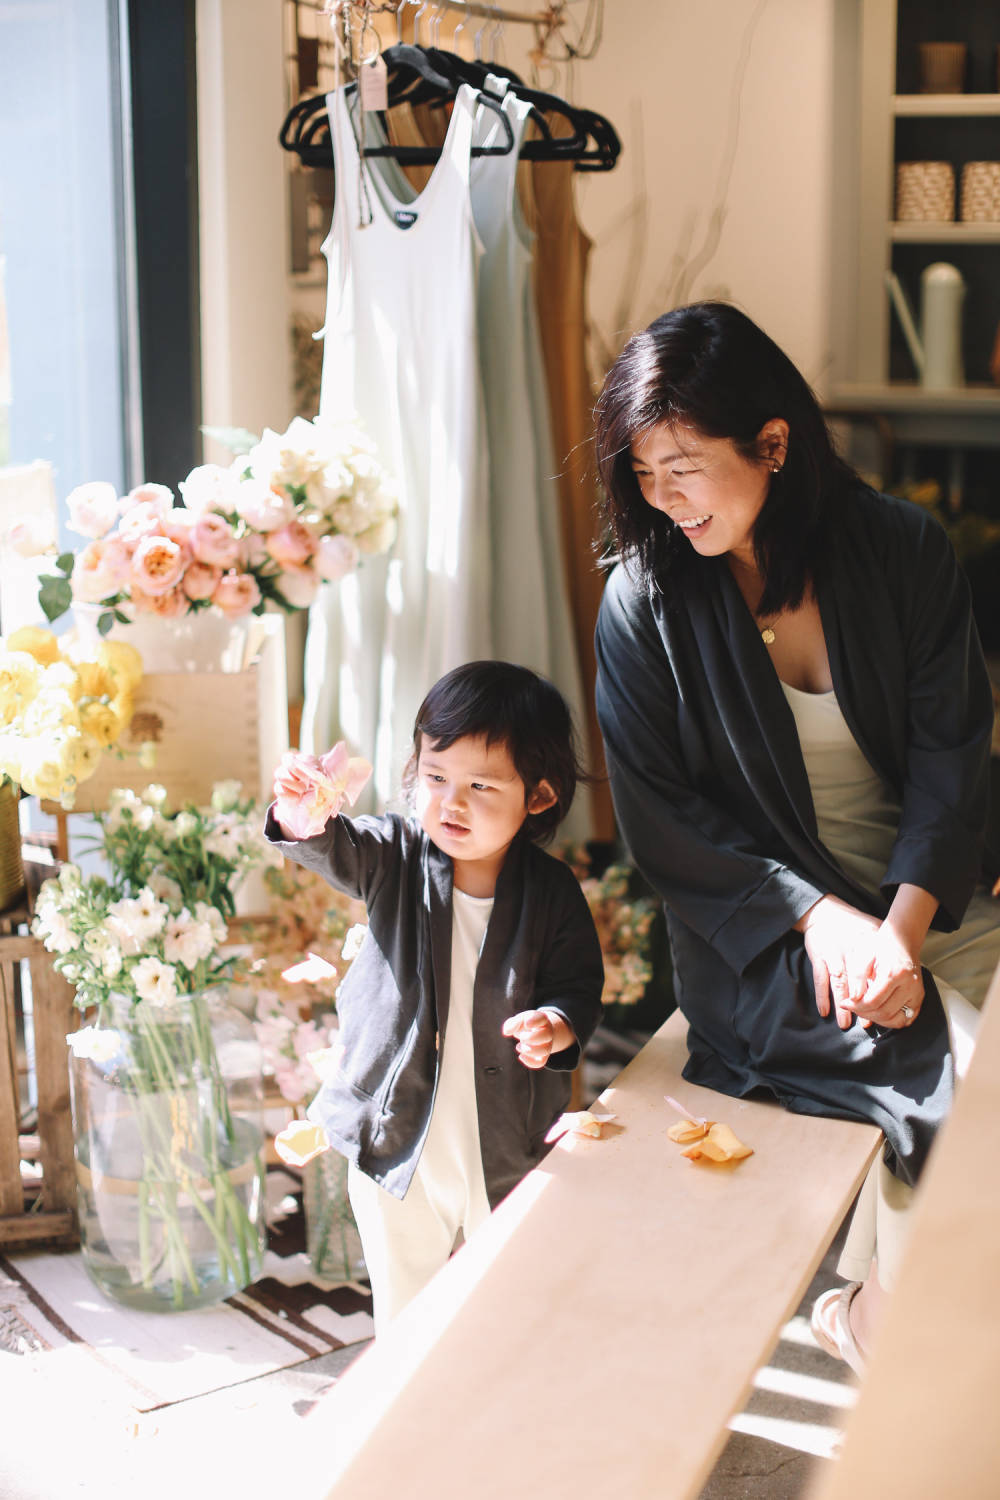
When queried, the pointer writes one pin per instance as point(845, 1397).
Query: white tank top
point(401, 352)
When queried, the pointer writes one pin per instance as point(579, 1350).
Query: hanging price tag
point(374, 85)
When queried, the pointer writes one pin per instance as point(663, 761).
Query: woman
point(797, 717)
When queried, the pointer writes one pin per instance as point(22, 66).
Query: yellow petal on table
point(720, 1144)
point(583, 1122)
point(300, 1141)
point(686, 1131)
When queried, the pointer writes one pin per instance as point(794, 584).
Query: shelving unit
point(899, 124)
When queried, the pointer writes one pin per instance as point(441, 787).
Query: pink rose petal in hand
point(311, 789)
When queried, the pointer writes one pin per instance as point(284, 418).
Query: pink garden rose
point(144, 519)
point(159, 496)
point(178, 524)
point(236, 594)
point(253, 552)
point(213, 541)
point(101, 569)
point(335, 557)
point(200, 581)
point(298, 586)
point(93, 508)
point(309, 790)
point(158, 564)
point(291, 545)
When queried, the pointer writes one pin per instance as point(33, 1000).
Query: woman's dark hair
point(709, 367)
point(512, 706)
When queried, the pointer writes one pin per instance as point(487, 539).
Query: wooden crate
point(35, 1209)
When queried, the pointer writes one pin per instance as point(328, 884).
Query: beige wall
point(727, 184)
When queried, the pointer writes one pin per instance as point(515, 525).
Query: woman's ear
point(772, 442)
point(542, 797)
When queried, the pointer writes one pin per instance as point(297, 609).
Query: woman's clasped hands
point(862, 968)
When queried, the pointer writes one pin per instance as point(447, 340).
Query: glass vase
point(170, 1170)
point(333, 1244)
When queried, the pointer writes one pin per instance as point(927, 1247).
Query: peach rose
point(158, 565)
point(200, 581)
point(210, 487)
point(178, 524)
point(100, 570)
point(236, 594)
point(291, 545)
point(168, 606)
point(143, 519)
point(158, 496)
point(214, 542)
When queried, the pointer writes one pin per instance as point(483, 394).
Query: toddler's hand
point(299, 1142)
point(536, 1036)
point(311, 789)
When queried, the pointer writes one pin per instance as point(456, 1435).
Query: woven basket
point(980, 197)
point(925, 192)
point(11, 864)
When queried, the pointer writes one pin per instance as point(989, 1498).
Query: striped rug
point(47, 1302)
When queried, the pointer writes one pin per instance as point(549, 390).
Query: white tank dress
point(401, 353)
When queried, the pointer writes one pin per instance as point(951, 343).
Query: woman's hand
point(840, 942)
point(865, 968)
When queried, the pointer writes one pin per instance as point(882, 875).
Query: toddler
point(479, 980)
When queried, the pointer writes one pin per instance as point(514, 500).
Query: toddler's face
point(470, 799)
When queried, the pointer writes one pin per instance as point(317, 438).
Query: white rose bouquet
point(294, 509)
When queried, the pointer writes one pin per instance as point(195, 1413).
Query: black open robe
point(713, 801)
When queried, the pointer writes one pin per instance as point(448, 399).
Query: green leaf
point(106, 620)
point(55, 596)
point(65, 561)
point(237, 439)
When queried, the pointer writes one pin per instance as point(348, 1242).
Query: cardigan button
point(490, 1071)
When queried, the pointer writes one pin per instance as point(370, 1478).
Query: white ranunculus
point(185, 824)
point(166, 888)
point(225, 795)
point(54, 930)
point(99, 1044)
point(154, 795)
point(263, 508)
point(187, 941)
point(213, 917)
point(155, 981)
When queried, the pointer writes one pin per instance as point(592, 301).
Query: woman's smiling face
point(706, 486)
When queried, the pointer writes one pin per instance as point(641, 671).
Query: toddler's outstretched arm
point(539, 1033)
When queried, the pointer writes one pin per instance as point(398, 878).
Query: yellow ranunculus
point(42, 644)
point(95, 681)
point(123, 705)
point(87, 755)
point(122, 661)
point(101, 721)
point(19, 674)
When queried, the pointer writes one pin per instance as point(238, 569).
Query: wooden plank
point(52, 1000)
point(11, 1193)
point(31, 1229)
point(598, 1333)
point(926, 1422)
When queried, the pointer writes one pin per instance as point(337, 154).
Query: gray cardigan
point(541, 948)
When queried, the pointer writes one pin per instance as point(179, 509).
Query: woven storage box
point(925, 192)
point(980, 195)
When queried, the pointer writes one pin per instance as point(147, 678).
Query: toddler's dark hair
point(512, 706)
